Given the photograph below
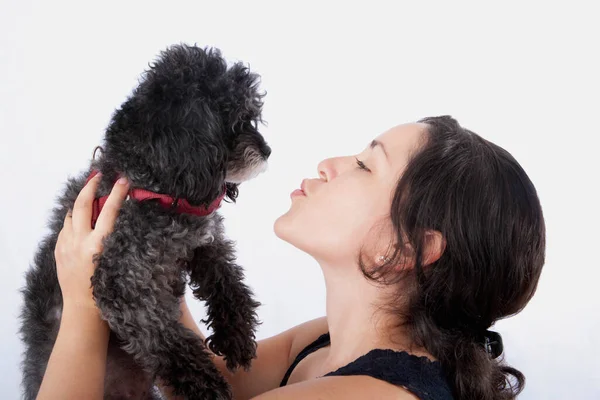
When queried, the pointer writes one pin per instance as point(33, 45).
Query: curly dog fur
point(186, 130)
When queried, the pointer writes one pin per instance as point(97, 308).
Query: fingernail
point(122, 181)
point(98, 175)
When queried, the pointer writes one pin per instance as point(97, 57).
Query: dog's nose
point(266, 151)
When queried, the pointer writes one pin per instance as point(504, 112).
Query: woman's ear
point(434, 245)
point(406, 260)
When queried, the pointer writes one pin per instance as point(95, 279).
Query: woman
point(425, 239)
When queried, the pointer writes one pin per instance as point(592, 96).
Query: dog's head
point(189, 127)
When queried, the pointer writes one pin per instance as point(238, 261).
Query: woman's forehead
point(400, 141)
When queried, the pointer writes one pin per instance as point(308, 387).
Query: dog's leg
point(137, 288)
point(231, 309)
point(124, 378)
point(41, 314)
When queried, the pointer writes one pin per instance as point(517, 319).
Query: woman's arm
point(273, 357)
point(77, 363)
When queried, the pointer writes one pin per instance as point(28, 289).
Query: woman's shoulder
point(304, 334)
point(339, 387)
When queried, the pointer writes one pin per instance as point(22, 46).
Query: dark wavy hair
point(482, 202)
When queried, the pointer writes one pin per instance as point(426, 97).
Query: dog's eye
point(362, 165)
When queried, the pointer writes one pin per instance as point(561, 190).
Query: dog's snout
point(266, 151)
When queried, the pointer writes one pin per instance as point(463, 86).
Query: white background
point(524, 76)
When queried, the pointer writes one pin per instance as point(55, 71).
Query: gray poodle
point(185, 139)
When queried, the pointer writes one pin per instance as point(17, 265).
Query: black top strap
point(419, 375)
point(322, 341)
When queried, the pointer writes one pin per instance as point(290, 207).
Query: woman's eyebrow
point(376, 143)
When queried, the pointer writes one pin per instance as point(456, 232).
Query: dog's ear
point(168, 135)
point(244, 101)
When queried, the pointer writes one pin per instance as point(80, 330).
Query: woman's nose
point(331, 167)
point(326, 170)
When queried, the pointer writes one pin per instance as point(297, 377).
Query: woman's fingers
point(110, 210)
point(68, 223)
point(65, 231)
point(68, 218)
point(82, 209)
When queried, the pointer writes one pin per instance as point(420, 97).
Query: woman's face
point(347, 208)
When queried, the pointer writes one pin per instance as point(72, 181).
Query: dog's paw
point(238, 350)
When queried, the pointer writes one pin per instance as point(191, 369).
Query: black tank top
point(419, 375)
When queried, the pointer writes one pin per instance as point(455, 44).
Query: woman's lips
point(301, 191)
point(297, 192)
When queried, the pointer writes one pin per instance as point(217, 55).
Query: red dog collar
point(180, 206)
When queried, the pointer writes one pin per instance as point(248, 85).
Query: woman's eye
point(362, 165)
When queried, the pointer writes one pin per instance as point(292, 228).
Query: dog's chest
point(209, 231)
point(195, 231)
point(146, 235)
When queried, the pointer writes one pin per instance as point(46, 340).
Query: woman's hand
point(78, 243)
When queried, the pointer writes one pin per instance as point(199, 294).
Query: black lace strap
point(322, 341)
point(419, 375)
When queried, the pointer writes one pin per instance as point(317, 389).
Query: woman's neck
point(357, 324)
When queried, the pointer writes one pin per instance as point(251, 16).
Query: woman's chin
point(279, 227)
point(284, 229)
